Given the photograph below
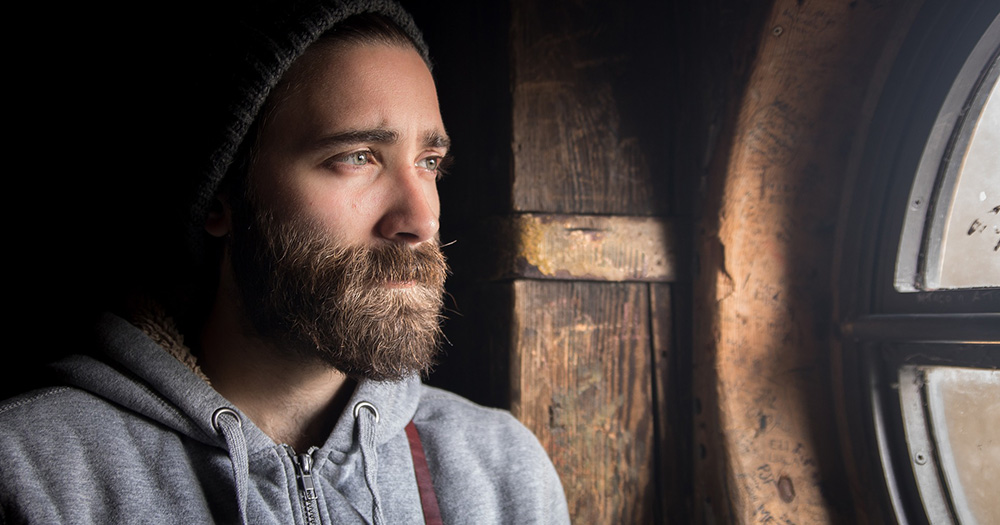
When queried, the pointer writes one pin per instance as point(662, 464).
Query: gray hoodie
point(136, 436)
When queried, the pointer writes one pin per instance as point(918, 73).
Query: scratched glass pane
point(970, 255)
point(963, 405)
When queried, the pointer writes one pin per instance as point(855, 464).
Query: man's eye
point(429, 163)
point(357, 158)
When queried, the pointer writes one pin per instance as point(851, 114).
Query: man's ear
point(220, 217)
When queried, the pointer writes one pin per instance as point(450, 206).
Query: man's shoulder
point(437, 403)
point(449, 420)
point(441, 408)
point(485, 455)
point(63, 416)
point(39, 425)
point(44, 404)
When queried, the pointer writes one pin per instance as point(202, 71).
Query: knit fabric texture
point(252, 46)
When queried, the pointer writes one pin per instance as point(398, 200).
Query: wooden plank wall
point(568, 231)
point(568, 252)
point(594, 253)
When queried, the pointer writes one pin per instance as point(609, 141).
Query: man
point(296, 396)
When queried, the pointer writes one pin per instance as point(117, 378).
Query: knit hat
point(252, 46)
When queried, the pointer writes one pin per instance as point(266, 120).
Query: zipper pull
point(303, 466)
point(305, 474)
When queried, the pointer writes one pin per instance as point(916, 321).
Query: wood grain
point(590, 188)
point(585, 247)
point(582, 382)
point(583, 141)
point(672, 408)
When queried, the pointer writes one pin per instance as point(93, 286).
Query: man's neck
point(294, 400)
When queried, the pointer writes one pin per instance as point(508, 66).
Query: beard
point(369, 311)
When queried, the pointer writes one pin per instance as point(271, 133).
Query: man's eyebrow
point(355, 136)
point(434, 139)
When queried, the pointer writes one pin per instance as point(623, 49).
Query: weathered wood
point(584, 139)
point(672, 383)
point(581, 381)
point(587, 142)
point(661, 323)
point(585, 247)
point(766, 432)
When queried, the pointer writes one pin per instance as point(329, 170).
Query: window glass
point(970, 251)
point(951, 226)
point(951, 415)
point(963, 406)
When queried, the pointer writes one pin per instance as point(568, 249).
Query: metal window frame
point(919, 259)
point(888, 318)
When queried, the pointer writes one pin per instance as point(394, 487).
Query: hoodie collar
point(142, 375)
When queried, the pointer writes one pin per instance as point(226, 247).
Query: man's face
point(334, 248)
point(354, 146)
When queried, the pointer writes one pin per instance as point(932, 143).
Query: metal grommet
point(369, 406)
point(222, 411)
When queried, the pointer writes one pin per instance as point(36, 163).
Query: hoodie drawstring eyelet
point(228, 423)
point(367, 420)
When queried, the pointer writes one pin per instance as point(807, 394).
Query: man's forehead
point(355, 94)
point(340, 65)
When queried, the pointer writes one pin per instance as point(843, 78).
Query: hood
point(139, 374)
point(149, 372)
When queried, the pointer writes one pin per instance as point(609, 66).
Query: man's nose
point(412, 208)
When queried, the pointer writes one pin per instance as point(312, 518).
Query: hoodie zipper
point(307, 490)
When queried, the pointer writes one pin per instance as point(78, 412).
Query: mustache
point(422, 264)
point(369, 265)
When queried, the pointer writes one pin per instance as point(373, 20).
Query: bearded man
point(296, 397)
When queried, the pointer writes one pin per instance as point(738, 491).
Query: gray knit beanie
point(251, 49)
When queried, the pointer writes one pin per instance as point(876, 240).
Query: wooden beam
point(585, 247)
